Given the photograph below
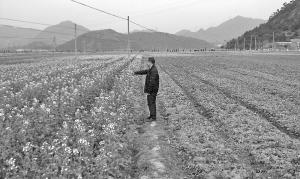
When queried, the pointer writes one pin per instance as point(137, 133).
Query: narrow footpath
point(155, 159)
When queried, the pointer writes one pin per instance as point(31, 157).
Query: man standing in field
point(151, 86)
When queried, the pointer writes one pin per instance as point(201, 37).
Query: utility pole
point(167, 47)
point(8, 47)
point(235, 46)
point(84, 45)
point(75, 40)
point(128, 45)
point(251, 43)
point(273, 46)
point(54, 44)
point(244, 44)
point(255, 44)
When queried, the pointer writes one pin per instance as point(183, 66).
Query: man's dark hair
point(152, 60)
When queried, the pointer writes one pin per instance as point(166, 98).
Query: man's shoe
point(149, 120)
point(149, 117)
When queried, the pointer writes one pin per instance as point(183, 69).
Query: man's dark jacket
point(152, 80)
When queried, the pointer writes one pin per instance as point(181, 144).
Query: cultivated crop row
point(269, 150)
point(273, 98)
point(69, 121)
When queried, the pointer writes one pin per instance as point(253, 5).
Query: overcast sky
point(163, 15)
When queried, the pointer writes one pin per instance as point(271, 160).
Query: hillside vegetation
point(285, 23)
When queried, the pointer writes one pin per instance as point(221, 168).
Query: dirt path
point(155, 158)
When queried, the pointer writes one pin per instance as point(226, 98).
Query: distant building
point(295, 44)
point(30, 50)
point(283, 45)
point(20, 50)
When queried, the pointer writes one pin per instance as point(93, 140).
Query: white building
point(295, 44)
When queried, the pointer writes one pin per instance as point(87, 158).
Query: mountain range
point(58, 34)
point(107, 40)
point(34, 38)
point(225, 31)
point(62, 35)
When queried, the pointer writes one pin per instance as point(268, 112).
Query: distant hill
point(15, 36)
point(225, 31)
point(107, 40)
point(61, 32)
point(285, 23)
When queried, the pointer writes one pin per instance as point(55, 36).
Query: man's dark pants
point(151, 99)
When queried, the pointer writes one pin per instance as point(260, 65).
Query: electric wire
point(63, 36)
point(83, 4)
point(31, 38)
point(37, 23)
point(114, 15)
point(105, 12)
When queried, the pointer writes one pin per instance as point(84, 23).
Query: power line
point(47, 31)
point(142, 26)
point(105, 12)
point(29, 38)
point(114, 15)
point(17, 20)
point(32, 22)
point(16, 37)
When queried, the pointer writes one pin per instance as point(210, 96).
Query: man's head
point(150, 62)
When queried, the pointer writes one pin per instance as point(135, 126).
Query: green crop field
point(222, 115)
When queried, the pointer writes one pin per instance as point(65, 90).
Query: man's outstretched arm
point(142, 72)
